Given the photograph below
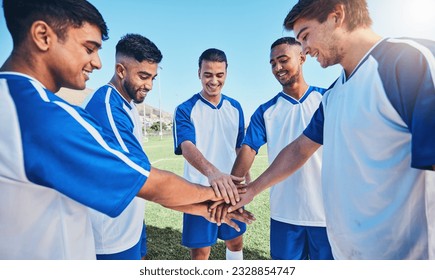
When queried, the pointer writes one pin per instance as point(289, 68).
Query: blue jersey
point(55, 162)
point(298, 199)
point(215, 130)
point(119, 120)
point(374, 126)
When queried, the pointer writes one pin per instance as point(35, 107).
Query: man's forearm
point(197, 159)
point(289, 160)
point(169, 189)
point(199, 209)
point(243, 162)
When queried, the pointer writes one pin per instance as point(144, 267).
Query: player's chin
point(77, 85)
point(139, 99)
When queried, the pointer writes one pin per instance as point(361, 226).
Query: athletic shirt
point(216, 132)
point(374, 127)
point(298, 199)
point(55, 162)
point(121, 121)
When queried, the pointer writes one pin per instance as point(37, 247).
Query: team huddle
point(351, 172)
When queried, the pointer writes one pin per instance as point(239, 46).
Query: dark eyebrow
point(302, 30)
point(281, 56)
point(210, 73)
point(144, 73)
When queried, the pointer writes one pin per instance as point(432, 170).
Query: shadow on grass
point(165, 244)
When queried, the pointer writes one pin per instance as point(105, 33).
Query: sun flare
point(420, 12)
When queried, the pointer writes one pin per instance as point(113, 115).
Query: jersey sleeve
point(74, 157)
point(241, 133)
point(256, 132)
point(183, 129)
point(407, 70)
point(314, 130)
point(117, 124)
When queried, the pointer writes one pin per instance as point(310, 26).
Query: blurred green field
point(164, 225)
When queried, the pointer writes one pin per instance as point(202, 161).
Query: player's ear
point(302, 58)
point(42, 35)
point(338, 14)
point(199, 73)
point(120, 70)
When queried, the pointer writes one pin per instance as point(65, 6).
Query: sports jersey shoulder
point(407, 71)
point(241, 130)
point(115, 114)
point(232, 101)
point(50, 127)
point(256, 133)
point(183, 128)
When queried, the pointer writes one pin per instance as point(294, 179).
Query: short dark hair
point(285, 40)
point(139, 48)
point(213, 55)
point(59, 14)
point(357, 12)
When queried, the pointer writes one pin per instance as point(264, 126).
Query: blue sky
point(244, 29)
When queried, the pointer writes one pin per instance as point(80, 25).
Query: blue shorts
point(200, 233)
point(134, 253)
point(292, 242)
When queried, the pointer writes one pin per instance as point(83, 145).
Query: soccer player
point(208, 129)
point(113, 105)
point(377, 129)
point(55, 159)
point(297, 225)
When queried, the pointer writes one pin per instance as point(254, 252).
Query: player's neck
point(30, 66)
point(296, 90)
point(358, 44)
point(114, 82)
point(213, 99)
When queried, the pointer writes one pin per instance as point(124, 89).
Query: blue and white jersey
point(121, 121)
point(215, 130)
point(55, 162)
point(378, 133)
point(298, 199)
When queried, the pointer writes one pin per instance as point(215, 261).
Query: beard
point(132, 92)
point(293, 79)
point(334, 57)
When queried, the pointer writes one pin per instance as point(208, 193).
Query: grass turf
point(164, 225)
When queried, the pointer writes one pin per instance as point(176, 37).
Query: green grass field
point(164, 225)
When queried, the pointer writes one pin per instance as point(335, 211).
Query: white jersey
point(215, 130)
point(55, 162)
point(298, 199)
point(378, 133)
point(119, 119)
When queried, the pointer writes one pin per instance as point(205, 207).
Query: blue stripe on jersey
point(407, 70)
point(256, 133)
point(63, 149)
point(241, 133)
point(314, 130)
point(108, 107)
point(184, 129)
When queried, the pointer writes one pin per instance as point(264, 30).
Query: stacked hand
point(222, 211)
point(225, 186)
point(219, 214)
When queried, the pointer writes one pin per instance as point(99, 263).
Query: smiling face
point(286, 62)
point(136, 78)
point(70, 61)
point(319, 40)
point(212, 75)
